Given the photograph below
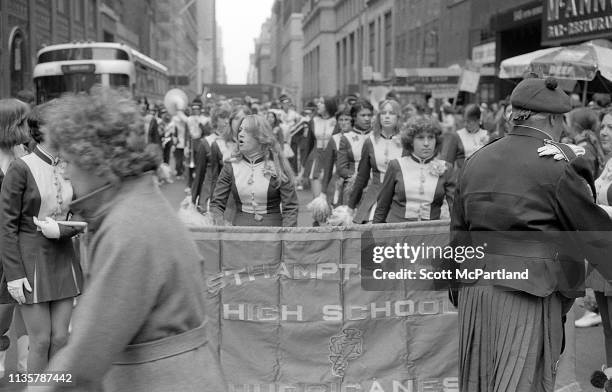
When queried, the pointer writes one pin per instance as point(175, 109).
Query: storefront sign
point(519, 16)
point(484, 54)
point(568, 21)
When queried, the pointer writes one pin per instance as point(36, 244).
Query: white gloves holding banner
point(49, 228)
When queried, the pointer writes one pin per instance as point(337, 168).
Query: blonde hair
point(396, 108)
point(257, 126)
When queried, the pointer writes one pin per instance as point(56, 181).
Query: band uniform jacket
point(255, 193)
point(376, 154)
point(203, 167)
point(415, 189)
point(34, 186)
point(533, 213)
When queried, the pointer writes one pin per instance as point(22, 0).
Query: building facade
point(28, 25)
point(286, 47)
point(347, 43)
point(178, 43)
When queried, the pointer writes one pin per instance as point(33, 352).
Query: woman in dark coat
point(41, 271)
point(140, 324)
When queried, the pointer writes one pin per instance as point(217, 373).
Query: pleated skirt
point(509, 341)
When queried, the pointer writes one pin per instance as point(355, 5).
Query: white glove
point(49, 228)
point(15, 288)
point(551, 149)
point(607, 209)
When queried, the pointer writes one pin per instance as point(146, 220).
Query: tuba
point(175, 100)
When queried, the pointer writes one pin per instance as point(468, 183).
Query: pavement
point(589, 341)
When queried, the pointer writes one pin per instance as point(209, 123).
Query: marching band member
point(416, 184)
point(345, 125)
point(198, 127)
point(41, 271)
point(259, 178)
point(351, 145)
point(202, 183)
point(460, 145)
point(322, 128)
point(380, 147)
point(13, 135)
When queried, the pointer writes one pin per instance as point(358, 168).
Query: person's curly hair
point(420, 125)
point(102, 132)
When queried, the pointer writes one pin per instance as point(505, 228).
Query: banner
point(287, 312)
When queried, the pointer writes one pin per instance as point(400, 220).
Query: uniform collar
point(531, 132)
point(422, 161)
point(255, 161)
point(45, 156)
point(361, 131)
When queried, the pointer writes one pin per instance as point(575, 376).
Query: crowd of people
point(97, 160)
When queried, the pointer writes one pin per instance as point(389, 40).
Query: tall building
point(28, 25)
point(207, 38)
point(287, 45)
point(261, 60)
point(220, 64)
point(416, 34)
point(178, 43)
point(345, 43)
point(319, 53)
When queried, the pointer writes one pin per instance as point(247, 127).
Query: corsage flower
point(437, 167)
point(268, 170)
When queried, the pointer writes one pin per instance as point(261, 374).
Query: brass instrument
point(175, 100)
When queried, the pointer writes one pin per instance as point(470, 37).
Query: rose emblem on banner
point(345, 347)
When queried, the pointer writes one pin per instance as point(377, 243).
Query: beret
point(284, 98)
point(541, 96)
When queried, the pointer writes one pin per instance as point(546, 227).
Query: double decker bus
point(77, 66)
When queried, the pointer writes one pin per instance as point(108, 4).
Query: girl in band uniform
point(416, 184)
point(259, 179)
point(382, 146)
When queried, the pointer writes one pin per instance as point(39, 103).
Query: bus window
point(83, 53)
point(118, 80)
point(49, 87)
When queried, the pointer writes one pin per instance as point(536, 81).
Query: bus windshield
point(83, 53)
point(50, 87)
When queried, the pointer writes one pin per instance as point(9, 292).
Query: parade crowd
point(101, 158)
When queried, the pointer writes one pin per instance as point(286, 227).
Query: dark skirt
point(247, 219)
point(314, 166)
point(51, 267)
point(508, 340)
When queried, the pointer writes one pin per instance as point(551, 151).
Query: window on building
point(372, 44)
point(78, 11)
point(352, 57)
point(92, 12)
point(338, 63)
point(388, 42)
point(62, 6)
